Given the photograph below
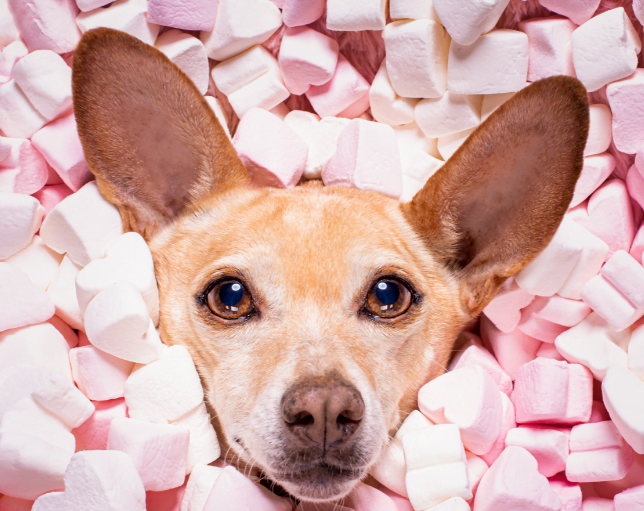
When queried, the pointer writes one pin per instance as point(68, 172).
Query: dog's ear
point(499, 199)
point(149, 136)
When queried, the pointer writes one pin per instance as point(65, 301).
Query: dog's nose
point(323, 411)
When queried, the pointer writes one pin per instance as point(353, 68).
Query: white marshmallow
point(38, 261)
point(387, 106)
point(493, 101)
point(412, 10)
point(465, 21)
point(239, 25)
point(449, 144)
point(129, 16)
point(188, 53)
point(265, 92)
point(19, 117)
point(417, 168)
point(448, 114)
point(62, 292)
point(20, 218)
point(605, 48)
point(217, 106)
point(497, 62)
point(164, 390)
point(357, 15)
point(83, 225)
point(99, 375)
point(233, 73)
point(599, 132)
point(203, 447)
point(202, 479)
point(417, 58)
point(623, 393)
point(129, 259)
point(46, 80)
point(117, 321)
point(411, 138)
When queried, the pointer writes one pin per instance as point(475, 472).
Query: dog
point(314, 314)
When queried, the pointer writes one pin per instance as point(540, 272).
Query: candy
point(579, 11)
point(622, 96)
point(203, 446)
point(183, 14)
point(188, 53)
point(62, 292)
point(200, 483)
point(599, 132)
point(548, 446)
point(594, 172)
point(99, 375)
point(20, 119)
point(387, 106)
point(296, 13)
point(354, 16)
point(448, 114)
point(20, 219)
point(622, 391)
point(23, 303)
point(504, 310)
point(466, 21)
point(93, 432)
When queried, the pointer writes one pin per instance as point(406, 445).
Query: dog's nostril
point(346, 418)
point(302, 419)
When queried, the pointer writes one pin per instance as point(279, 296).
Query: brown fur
point(309, 255)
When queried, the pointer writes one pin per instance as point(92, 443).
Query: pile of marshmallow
point(543, 411)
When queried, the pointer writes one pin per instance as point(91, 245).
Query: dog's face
point(315, 314)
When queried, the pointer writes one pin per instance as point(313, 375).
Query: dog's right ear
point(149, 136)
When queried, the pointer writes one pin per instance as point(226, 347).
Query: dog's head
point(314, 314)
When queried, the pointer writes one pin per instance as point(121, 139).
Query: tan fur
point(310, 254)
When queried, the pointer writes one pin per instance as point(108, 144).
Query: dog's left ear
point(499, 199)
point(153, 143)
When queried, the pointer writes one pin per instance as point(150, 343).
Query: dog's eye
point(388, 298)
point(229, 299)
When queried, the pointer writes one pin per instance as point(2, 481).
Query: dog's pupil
point(387, 292)
point(231, 293)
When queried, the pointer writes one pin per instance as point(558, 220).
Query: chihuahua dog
point(314, 314)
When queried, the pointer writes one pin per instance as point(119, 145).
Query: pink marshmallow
point(94, 431)
point(59, 144)
point(49, 196)
point(402, 504)
point(513, 482)
point(569, 493)
point(345, 88)
point(599, 412)
point(553, 392)
point(65, 330)
point(637, 247)
point(469, 398)
point(635, 184)
point(599, 131)
point(597, 504)
point(630, 500)
point(306, 58)
point(548, 446)
point(13, 504)
point(505, 308)
point(183, 14)
point(476, 469)
point(610, 216)
point(367, 498)
point(296, 13)
point(99, 375)
point(479, 356)
point(549, 47)
point(546, 318)
point(508, 422)
point(168, 500)
point(158, 451)
point(366, 157)
point(598, 453)
point(273, 154)
point(27, 167)
point(47, 25)
point(595, 171)
point(579, 11)
point(549, 350)
point(634, 477)
point(624, 97)
point(357, 108)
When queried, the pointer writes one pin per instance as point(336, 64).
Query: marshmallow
point(493, 101)
point(217, 107)
point(412, 10)
point(296, 13)
point(186, 15)
point(594, 344)
point(358, 109)
point(24, 170)
point(497, 62)
point(97, 481)
point(548, 446)
point(411, 139)
point(417, 168)
point(504, 310)
point(546, 318)
point(595, 171)
point(627, 121)
point(200, 483)
point(129, 16)
point(169, 500)
point(477, 355)
point(448, 114)
point(436, 465)
point(476, 468)
point(341, 92)
point(616, 293)
point(569, 493)
point(62, 292)
point(637, 247)
point(550, 391)
point(157, 450)
point(84, 225)
point(508, 422)
point(449, 144)
point(58, 142)
point(622, 392)
point(204, 446)
point(466, 21)
point(306, 58)
point(417, 58)
point(164, 390)
point(188, 53)
point(65, 330)
point(550, 49)
point(636, 351)
point(99, 375)
point(597, 504)
point(365, 498)
point(49, 196)
point(129, 259)
point(93, 432)
point(19, 118)
point(236, 72)
point(89, 5)
point(117, 321)
point(8, 30)
point(352, 17)
point(12, 504)
point(605, 48)
point(20, 219)
point(44, 25)
point(10, 55)
point(469, 398)
point(387, 106)
point(549, 350)
point(266, 92)
point(635, 185)
point(579, 11)
point(513, 482)
point(321, 135)
point(629, 499)
point(233, 490)
point(46, 80)
point(367, 157)
point(240, 24)
point(23, 303)
point(273, 154)
point(599, 132)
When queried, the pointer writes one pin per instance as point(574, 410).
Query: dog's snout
point(324, 411)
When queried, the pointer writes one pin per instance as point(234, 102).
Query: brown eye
point(229, 299)
point(388, 298)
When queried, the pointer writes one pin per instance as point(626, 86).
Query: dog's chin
point(320, 482)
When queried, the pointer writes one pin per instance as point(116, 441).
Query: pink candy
point(22, 303)
point(624, 98)
point(505, 308)
point(184, 14)
point(548, 446)
point(24, 170)
point(93, 432)
point(296, 13)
